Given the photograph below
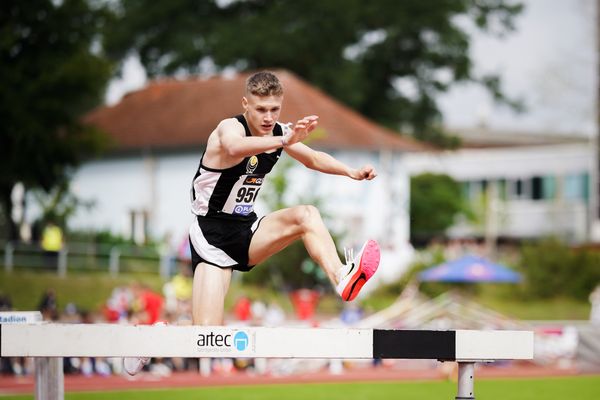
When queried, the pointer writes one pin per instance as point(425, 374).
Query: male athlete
point(227, 235)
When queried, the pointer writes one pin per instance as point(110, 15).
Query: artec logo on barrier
point(223, 341)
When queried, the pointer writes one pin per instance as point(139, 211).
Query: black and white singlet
point(232, 192)
point(223, 202)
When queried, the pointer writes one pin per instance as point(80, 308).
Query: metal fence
point(92, 257)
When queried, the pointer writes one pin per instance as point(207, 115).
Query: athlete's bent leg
point(283, 227)
point(279, 229)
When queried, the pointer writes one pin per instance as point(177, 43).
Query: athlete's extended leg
point(210, 287)
point(279, 229)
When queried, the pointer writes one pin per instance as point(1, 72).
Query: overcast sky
point(549, 63)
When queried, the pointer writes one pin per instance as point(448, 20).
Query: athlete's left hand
point(300, 131)
point(366, 172)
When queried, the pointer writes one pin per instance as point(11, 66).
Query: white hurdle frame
point(49, 343)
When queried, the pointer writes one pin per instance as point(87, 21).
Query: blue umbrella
point(470, 269)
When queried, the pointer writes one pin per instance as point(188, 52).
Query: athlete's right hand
point(301, 130)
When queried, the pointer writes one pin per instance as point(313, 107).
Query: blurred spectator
point(242, 310)
point(48, 305)
point(167, 250)
point(5, 302)
point(274, 316)
point(148, 304)
point(171, 303)
point(36, 231)
point(258, 310)
point(52, 243)
point(595, 302)
point(71, 314)
point(119, 304)
point(184, 252)
point(305, 303)
point(178, 292)
point(182, 283)
point(9, 365)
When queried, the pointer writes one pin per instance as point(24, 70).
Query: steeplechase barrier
point(49, 343)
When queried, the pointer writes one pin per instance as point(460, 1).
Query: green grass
point(509, 301)
point(87, 290)
point(502, 298)
point(550, 309)
point(90, 291)
point(580, 388)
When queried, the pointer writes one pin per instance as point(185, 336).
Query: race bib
point(243, 194)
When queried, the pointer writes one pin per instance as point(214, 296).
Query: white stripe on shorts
point(206, 250)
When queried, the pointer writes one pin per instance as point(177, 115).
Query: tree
point(435, 201)
point(551, 268)
point(387, 59)
point(51, 71)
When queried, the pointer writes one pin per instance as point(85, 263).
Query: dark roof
point(174, 114)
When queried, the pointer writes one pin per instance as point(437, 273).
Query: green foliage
point(51, 72)
point(386, 59)
point(435, 201)
point(100, 237)
point(552, 268)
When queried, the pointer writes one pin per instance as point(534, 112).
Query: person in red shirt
point(242, 309)
point(148, 303)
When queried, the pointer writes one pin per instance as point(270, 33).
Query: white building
point(526, 186)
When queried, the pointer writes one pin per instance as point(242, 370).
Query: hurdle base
point(49, 378)
point(466, 379)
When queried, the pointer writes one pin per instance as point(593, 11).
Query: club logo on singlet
point(251, 165)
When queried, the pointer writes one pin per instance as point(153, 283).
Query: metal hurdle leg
point(49, 378)
point(466, 375)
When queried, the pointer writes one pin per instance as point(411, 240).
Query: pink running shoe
point(133, 365)
point(358, 270)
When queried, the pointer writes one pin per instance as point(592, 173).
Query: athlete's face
point(262, 112)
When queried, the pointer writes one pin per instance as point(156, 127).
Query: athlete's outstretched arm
point(323, 162)
point(234, 142)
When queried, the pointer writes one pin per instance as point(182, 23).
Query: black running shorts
point(222, 242)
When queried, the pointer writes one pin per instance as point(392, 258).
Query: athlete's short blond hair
point(264, 83)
